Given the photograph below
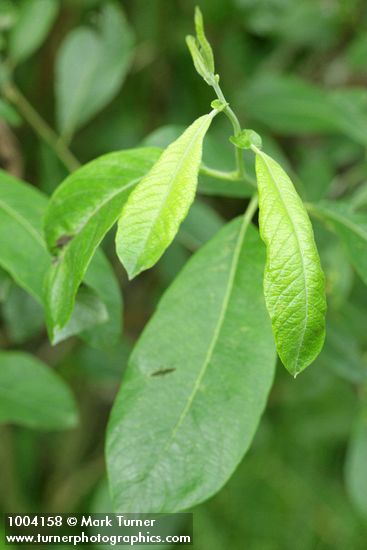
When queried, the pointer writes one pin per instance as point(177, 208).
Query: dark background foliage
point(296, 73)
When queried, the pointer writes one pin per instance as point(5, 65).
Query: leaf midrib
point(171, 183)
point(227, 295)
point(270, 172)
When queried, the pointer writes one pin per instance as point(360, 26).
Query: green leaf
point(156, 208)
point(342, 352)
point(198, 60)
point(35, 18)
point(21, 210)
point(196, 384)
point(80, 213)
point(293, 281)
point(351, 227)
point(32, 395)
point(216, 154)
point(355, 467)
point(91, 67)
point(88, 311)
point(23, 315)
point(101, 278)
point(5, 285)
point(245, 139)
point(290, 105)
point(205, 48)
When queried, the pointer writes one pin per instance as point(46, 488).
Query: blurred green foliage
point(296, 72)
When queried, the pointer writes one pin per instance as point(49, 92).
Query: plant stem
point(236, 126)
point(251, 208)
point(13, 94)
point(228, 176)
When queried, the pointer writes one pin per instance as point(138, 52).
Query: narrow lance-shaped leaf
point(196, 384)
point(32, 395)
point(156, 208)
point(293, 280)
point(351, 227)
point(81, 211)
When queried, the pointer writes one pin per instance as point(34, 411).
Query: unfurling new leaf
point(201, 51)
point(155, 209)
point(293, 280)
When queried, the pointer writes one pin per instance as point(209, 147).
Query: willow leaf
point(156, 208)
point(81, 211)
point(293, 280)
point(196, 384)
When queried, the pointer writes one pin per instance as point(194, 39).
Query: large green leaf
point(351, 227)
point(90, 68)
point(32, 395)
point(34, 20)
point(80, 213)
point(156, 208)
point(293, 281)
point(196, 384)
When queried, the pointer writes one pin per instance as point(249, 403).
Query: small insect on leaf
point(162, 372)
